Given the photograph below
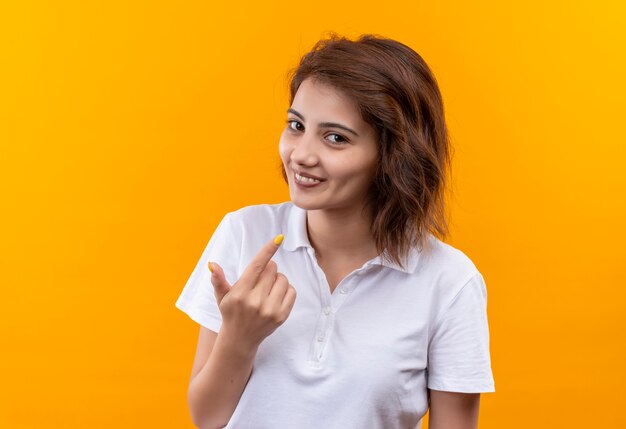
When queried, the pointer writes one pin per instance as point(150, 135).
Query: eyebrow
point(324, 124)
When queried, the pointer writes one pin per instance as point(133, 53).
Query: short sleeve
point(458, 352)
point(197, 299)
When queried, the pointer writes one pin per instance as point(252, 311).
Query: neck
point(341, 234)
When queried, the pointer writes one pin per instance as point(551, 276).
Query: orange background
point(128, 129)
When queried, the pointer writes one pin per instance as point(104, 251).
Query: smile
point(306, 179)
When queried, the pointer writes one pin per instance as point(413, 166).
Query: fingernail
point(210, 269)
point(279, 239)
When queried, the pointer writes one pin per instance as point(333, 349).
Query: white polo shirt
point(363, 356)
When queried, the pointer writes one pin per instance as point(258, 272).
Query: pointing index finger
point(261, 259)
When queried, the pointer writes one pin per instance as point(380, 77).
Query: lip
point(302, 185)
point(301, 173)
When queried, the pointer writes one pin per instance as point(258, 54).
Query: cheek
point(349, 167)
point(284, 149)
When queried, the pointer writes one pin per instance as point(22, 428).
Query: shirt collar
point(296, 236)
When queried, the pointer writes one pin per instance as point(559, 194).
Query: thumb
point(218, 280)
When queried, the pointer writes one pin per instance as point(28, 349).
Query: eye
point(335, 139)
point(293, 125)
point(340, 139)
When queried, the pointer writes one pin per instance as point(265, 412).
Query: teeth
point(306, 179)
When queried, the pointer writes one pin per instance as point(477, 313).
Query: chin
point(305, 203)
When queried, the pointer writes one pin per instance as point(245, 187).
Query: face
point(326, 139)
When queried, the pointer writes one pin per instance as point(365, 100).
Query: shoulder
point(440, 255)
point(447, 267)
point(455, 284)
point(261, 214)
point(252, 226)
point(260, 218)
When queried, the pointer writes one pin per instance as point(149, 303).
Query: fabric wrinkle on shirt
point(363, 355)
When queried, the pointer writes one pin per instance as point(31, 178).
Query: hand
point(259, 302)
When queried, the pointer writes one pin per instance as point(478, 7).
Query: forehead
point(318, 101)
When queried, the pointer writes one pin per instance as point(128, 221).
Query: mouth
point(306, 180)
point(303, 176)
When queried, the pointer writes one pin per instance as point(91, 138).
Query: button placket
point(323, 334)
point(319, 273)
point(324, 323)
point(331, 302)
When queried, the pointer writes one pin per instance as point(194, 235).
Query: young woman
point(360, 317)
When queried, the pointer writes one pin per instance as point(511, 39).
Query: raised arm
point(254, 307)
point(220, 373)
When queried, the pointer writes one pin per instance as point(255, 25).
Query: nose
point(305, 150)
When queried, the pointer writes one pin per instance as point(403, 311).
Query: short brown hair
point(398, 96)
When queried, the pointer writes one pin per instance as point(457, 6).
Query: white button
point(320, 338)
point(343, 290)
point(326, 310)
